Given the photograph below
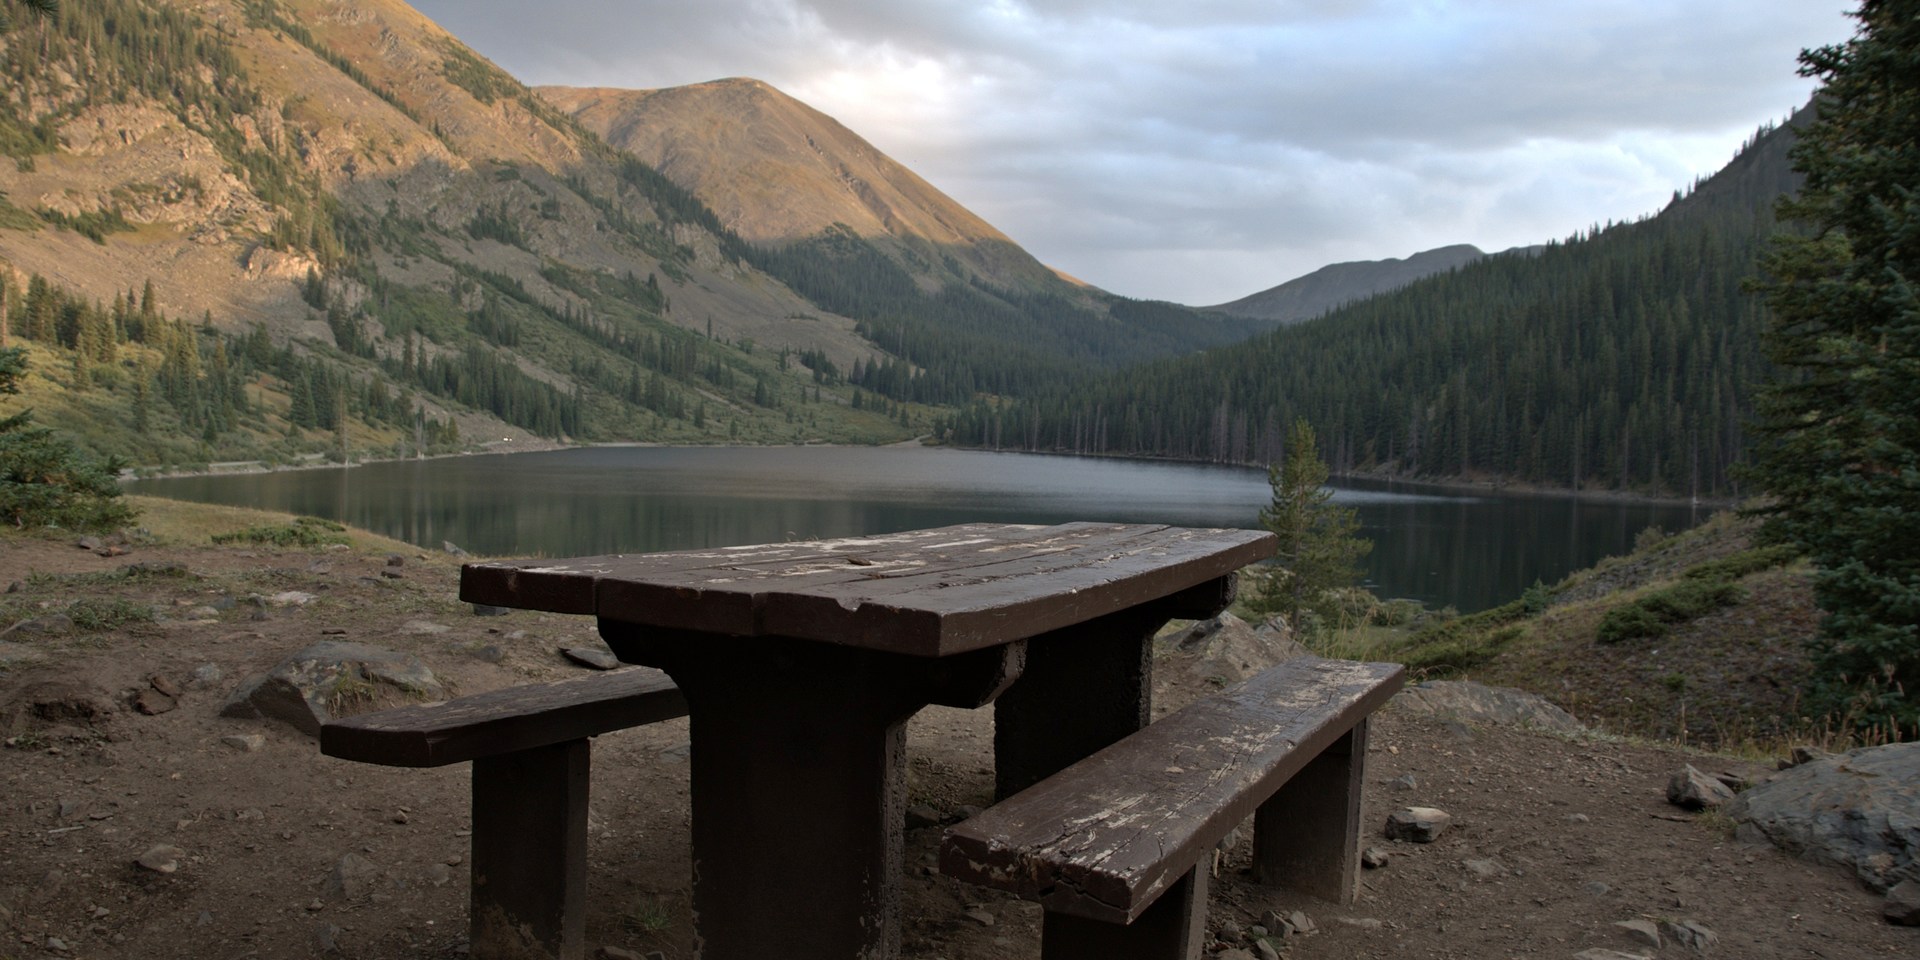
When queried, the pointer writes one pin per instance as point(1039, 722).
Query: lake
point(1469, 550)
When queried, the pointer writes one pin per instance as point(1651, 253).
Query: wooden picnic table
point(801, 663)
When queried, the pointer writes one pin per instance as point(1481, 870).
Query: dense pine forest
point(1624, 357)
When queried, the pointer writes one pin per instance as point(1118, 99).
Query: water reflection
point(1469, 551)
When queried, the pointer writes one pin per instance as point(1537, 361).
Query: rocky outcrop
point(331, 679)
point(1859, 810)
point(1479, 703)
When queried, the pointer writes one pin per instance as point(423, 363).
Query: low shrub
point(303, 532)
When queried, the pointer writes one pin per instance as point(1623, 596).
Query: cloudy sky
point(1201, 150)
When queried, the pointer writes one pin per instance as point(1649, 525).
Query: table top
point(925, 592)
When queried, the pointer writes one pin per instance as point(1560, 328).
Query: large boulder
point(1860, 810)
point(1229, 648)
point(332, 679)
point(1479, 703)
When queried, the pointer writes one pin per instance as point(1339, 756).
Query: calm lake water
point(1471, 551)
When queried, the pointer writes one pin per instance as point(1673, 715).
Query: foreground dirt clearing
point(284, 853)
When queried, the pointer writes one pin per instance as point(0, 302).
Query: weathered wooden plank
point(1103, 838)
point(929, 593)
point(505, 720)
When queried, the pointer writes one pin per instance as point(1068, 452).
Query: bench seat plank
point(505, 720)
point(1103, 838)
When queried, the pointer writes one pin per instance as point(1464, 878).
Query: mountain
point(1338, 284)
point(777, 171)
point(270, 229)
point(1625, 357)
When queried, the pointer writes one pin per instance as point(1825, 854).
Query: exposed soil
point(1554, 840)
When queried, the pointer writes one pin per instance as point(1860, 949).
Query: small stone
point(72, 808)
point(152, 702)
point(206, 675)
point(1418, 824)
point(396, 560)
point(333, 631)
point(1903, 904)
point(1230, 931)
point(89, 543)
point(1271, 924)
point(488, 653)
point(1360, 923)
point(1689, 934)
point(1690, 789)
point(451, 548)
point(1265, 950)
point(980, 917)
point(1484, 869)
point(326, 936)
point(315, 906)
point(399, 817)
point(594, 657)
point(162, 858)
point(1300, 923)
point(1594, 888)
point(1803, 754)
point(1643, 932)
point(56, 945)
point(439, 874)
point(1578, 818)
point(615, 953)
point(1732, 781)
point(1602, 954)
point(423, 628)
point(1373, 858)
point(389, 573)
point(923, 815)
point(352, 877)
point(244, 742)
point(489, 610)
point(1404, 782)
point(164, 685)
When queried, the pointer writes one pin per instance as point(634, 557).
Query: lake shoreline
point(1491, 487)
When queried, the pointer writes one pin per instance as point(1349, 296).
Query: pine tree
point(1841, 450)
point(1319, 550)
point(44, 480)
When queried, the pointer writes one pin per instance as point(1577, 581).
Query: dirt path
point(1554, 840)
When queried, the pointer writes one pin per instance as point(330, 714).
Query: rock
point(1230, 931)
point(1599, 954)
point(56, 945)
point(439, 874)
point(1802, 754)
point(423, 628)
point(164, 685)
point(1404, 782)
point(327, 679)
point(389, 573)
point(352, 878)
point(152, 702)
point(1227, 647)
point(678, 753)
point(1594, 888)
point(1484, 869)
point(244, 742)
point(89, 543)
point(1855, 809)
point(162, 858)
point(291, 598)
point(1265, 950)
point(396, 560)
point(1643, 932)
point(1373, 858)
point(1690, 789)
point(73, 808)
point(615, 953)
point(451, 548)
point(326, 936)
point(489, 610)
point(923, 815)
point(1689, 934)
point(488, 652)
point(1298, 923)
point(980, 916)
point(1903, 904)
point(1733, 781)
point(1479, 703)
point(599, 658)
point(1418, 824)
point(206, 675)
point(1360, 923)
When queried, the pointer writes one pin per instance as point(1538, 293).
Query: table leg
point(1087, 686)
point(799, 793)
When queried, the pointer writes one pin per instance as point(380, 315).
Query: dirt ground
point(1554, 840)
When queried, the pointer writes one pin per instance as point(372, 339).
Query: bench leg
point(1173, 928)
point(530, 854)
point(1307, 836)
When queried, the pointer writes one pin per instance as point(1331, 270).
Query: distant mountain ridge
point(1339, 284)
point(778, 171)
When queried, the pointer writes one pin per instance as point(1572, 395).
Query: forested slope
point(1623, 357)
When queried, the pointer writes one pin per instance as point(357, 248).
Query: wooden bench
point(530, 755)
point(1117, 848)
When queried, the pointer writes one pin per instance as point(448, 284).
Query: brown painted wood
point(1173, 928)
point(1105, 837)
point(1306, 837)
point(505, 720)
point(529, 852)
point(925, 593)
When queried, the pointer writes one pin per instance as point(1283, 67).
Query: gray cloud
point(1201, 151)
